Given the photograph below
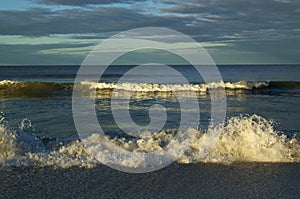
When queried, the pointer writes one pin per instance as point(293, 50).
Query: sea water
point(256, 156)
point(37, 126)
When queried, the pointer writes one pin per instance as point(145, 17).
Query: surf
point(244, 139)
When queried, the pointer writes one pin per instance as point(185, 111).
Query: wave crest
point(244, 139)
point(13, 89)
point(148, 87)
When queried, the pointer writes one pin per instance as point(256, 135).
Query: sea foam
point(147, 87)
point(244, 139)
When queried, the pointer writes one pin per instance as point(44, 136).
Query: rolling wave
point(8, 85)
point(244, 139)
point(146, 87)
point(12, 89)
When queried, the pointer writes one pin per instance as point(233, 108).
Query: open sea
point(257, 154)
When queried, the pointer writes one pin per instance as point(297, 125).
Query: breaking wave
point(147, 87)
point(244, 139)
point(13, 89)
point(8, 87)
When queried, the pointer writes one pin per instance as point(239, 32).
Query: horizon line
point(242, 64)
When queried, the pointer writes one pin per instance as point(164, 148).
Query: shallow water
point(257, 155)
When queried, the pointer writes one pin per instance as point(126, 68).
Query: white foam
point(250, 139)
point(8, 147)
point(7, 82)
point(244, 139)
point(146, 87)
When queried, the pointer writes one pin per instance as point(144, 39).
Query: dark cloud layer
point(81, 2)
point(20, 54)
point(36, 22)
point(237, 16)
point(209, 20)
point(269, 27)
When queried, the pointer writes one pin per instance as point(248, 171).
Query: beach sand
point(238, 180)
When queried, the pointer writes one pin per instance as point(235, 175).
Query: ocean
point(256, 155)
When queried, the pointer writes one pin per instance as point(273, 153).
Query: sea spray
point(251, 139)
point(244, 139)
point(8, 147)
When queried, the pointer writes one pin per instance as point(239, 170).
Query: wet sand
point(239, 180)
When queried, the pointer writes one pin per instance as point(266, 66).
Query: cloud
point(249, 27)
point(81, 2)
point(20, 54)
point(204, 20)
point(240, 14)
point(38, 21)
point(238, 21)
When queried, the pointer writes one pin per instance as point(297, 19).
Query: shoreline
point(178, 180)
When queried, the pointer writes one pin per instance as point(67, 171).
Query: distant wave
point(284, 84)
point(16, 85)
point(38, 89)
point(244, 139)
point(147, 87)
point(12, 89)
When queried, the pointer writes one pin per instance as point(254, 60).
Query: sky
point(54, 32)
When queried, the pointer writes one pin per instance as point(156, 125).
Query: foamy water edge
point(244, 139)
